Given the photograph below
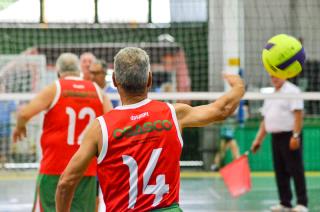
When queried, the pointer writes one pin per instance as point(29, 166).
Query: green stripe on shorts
point(172, 208)
point(84, 198)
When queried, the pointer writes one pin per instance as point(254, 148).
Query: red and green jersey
point(76, 104)
point(138, 166)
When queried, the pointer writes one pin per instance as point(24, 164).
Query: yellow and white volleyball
point(283, 56)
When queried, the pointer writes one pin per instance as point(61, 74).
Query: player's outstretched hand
point(19, 134)
point(233, 79)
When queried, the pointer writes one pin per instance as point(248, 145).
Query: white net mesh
point(19, 74)
point(25, 154)
point(22, 73)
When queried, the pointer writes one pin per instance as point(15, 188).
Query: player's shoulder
point(157, 102)
point(51, 87)
point(181, 108)
point(162, 106)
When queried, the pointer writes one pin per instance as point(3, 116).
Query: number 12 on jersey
point(159, 189)
point(86, 111)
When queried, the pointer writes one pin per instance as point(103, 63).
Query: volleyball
point(283, 56)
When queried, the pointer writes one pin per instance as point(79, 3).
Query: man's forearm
point(261, 133)
point(235, 95)
point(21, 121)
point(230, 101)
point(71, 177)
point(64, 195)
point(298, 120)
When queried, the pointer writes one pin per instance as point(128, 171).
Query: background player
point(86, 59)
point(227, 141)
point(98, 72)
point(70, 104)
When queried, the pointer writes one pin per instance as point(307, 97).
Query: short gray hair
point(131, 66)
point(68, 62)
point(101, 63)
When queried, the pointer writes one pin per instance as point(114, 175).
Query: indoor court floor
point(200, 192)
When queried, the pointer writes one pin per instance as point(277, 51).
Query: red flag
point(236, 176)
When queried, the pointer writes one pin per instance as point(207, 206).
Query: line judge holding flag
point(283, 119)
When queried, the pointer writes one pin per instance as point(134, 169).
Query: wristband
point(296, 135)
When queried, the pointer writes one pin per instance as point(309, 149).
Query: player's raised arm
point(216, 111)
point(76, 167)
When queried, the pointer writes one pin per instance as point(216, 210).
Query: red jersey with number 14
point(76, 104)
point(138, 166)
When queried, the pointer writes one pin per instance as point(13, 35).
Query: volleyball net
point(188, 52)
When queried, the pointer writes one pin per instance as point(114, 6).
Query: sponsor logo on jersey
point(129, 131)
point(79, 94)
point(76, 86)
point(140, 116)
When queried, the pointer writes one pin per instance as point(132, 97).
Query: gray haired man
point(70, 104)
point(139, 143)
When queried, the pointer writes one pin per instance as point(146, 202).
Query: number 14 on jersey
point(159, 189)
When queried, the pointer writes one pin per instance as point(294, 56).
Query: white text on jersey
point(78, 86)
point(140, 116)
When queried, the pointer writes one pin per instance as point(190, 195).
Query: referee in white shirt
point(283, 119)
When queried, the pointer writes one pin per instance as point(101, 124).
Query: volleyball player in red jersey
point(139, 143)
point(70, 104)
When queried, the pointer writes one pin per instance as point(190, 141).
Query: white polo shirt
point(278, 113)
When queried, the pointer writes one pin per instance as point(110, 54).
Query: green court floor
point(200, 192)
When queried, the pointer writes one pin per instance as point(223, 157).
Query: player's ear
point(114, 80)
point(149, 84)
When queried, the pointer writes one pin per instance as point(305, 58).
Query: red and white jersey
point(76, 104)
point(138, 166)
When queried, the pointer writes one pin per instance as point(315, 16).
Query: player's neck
point(279, 86)
point(68, 74)
point(128, 98)
point(103, 85)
